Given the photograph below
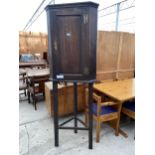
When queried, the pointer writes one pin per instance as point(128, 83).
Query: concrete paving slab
point(109, 144)
point(37, 136)
point(27, 113)
point(23, 140)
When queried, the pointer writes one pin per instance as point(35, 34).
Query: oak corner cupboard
point(72, 31)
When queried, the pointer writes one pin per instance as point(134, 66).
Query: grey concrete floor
point(36, 136)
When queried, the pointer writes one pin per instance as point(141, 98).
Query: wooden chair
point(103, 112)
point(128, 109)
point(35, 87)
point(22, 84)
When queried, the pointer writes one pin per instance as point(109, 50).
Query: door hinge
point(55, 45)
point(86, 70)
point(85, 18)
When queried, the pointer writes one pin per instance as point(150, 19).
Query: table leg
point(55, 101)
point(118, 123)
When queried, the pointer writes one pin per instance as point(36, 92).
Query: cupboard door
point(72, 40)
point(69, 39)
point(71, 44)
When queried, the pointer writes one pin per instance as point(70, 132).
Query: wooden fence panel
point(115, 52)
point(115, 55)
point(107, 47)
point(127, 61)
point(30, 42)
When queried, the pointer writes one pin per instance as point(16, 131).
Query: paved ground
point(37, 137)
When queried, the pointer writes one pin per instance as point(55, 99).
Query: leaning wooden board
point(65, 97)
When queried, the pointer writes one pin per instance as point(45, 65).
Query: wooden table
point(22, 71)
point(36, 79)
point(33, 64)
point(38, 72)
point(122, 90)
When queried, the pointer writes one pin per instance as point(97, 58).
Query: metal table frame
point(58, 126)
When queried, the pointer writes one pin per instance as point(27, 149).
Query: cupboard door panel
point(69, 39)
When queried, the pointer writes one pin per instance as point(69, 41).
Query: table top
point(32, 63)
point(22, 71)
point(38, 72)
point(121, 90)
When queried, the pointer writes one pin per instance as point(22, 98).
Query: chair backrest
point(96, 97)
point(40, 80)
point(37, 79)
point(22, 80)
point(97, 100)
point(22, 75)
point(100, 102)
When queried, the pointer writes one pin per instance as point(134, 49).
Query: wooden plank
point(114, 71)
point(107, 51)
point(119, 54)
point(127, 60)
point(65, 99)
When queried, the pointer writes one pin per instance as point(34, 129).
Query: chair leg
point(98, 126)
point(35, 105)
point(20, 99)
point(28, 94)
point(44, 95)
point(25, 92)
point(117, 127)
point(34, 102)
